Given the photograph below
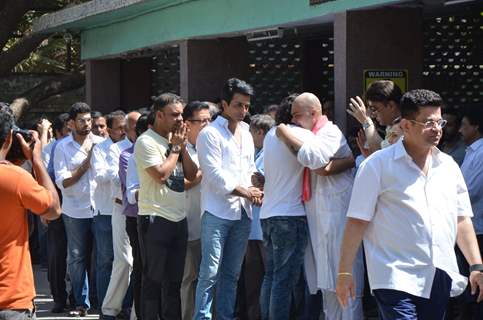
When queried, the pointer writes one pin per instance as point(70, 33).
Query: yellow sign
point(399, 77)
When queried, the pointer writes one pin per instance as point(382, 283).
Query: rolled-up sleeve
point(319, 150)
point(210, 158)
point(60, 167)
point(365, 193)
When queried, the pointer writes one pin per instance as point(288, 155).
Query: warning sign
point(399, 77)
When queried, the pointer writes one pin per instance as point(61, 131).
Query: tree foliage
point(22, 51)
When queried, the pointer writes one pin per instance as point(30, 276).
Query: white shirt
point(132, 180)
point(225, 165)
point(102, 172)
point(46, 153)
point(193, 199)
point(283, 176)
point(413, 219)
point(113, 158)
point(472, 169)
point(68, 156)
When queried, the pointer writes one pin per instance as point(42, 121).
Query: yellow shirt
point(165, 200)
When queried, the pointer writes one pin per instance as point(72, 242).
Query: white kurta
point(326, 210)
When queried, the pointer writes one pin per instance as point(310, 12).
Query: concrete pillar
point(103, 84)
point(388, 38)
point(205, 65)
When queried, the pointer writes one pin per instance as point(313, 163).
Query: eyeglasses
point(200, 120)
point(431, 123)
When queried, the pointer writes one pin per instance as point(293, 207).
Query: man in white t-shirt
point(411, 205)
point(284, 222)
point(326, 197)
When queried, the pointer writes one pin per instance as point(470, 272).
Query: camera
point(16, 154)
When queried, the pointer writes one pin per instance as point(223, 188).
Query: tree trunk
point(47, 89)
point(20, 51)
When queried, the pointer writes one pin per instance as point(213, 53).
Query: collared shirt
point(193, 199)
point(113, 158)
point(472, 169)
point(102, 174)
point(132, 181)
point(68, 156)
point(225, 165)
point(413, 219)
point(130, 210)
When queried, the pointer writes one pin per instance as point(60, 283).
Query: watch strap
point(476, 267)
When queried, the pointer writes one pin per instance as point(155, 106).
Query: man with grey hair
point(123, 259)
point(326, 198)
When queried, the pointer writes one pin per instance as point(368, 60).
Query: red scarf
point(306, 192)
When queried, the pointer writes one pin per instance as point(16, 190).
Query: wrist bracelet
point(476, 267)
point(344, 274)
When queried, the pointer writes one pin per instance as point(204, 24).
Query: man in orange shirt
point(19, 191)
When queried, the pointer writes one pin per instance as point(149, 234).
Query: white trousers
point(121, 266)
point(334, 311)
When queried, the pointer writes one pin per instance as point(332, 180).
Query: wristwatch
point(175, 148)
point(476, 267)
point(367, 124)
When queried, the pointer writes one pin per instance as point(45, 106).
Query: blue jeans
point(395, 304)
point(223, 246)
point(79, 245)
point(104, 254)
point(285, 239)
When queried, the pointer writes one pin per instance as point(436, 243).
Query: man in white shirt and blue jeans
point(72, 165)
point(226, 156)
point(411, 205)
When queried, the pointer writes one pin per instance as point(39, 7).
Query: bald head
point(306, 110)
point(131, 119)
point(308, 102)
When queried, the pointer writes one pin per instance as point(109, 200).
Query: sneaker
point(78, 312)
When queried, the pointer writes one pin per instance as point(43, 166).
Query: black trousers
point(163, 251)
point(136, 274)
point(57, 260)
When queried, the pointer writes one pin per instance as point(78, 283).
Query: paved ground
point(44, 301)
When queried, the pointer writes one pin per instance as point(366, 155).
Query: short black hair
point(165, 99)
point(96, 114)
point(117, 114)
point(233, 86)
point(6, 123)
point(284, 111)
point(142, 123)
point(474, 115)
point(78, 108)
point(192, 107)
point(60, 122)
point(412, 100)
point(384, 91)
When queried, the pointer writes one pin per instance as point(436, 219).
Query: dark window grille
point(453, 58)
point(166, 71)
